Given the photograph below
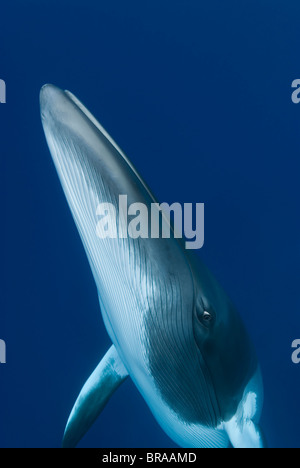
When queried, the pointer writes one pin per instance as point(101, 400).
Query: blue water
point(198, 94)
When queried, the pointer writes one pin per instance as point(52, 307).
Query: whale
point(173, 329)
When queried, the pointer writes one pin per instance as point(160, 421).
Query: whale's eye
point(204, 312)
point(207, 317)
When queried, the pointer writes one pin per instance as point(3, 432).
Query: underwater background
point(198, 95)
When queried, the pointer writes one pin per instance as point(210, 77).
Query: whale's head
point(209, 350)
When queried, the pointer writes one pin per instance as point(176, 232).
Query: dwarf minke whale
point(174, 330)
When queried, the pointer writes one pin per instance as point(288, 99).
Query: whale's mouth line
point(213, 398)
point(214, 406)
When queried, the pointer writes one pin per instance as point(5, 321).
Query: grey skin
point(174, 330)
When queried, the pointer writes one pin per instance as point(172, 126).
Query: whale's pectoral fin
point(247, 434)
point(103, 382)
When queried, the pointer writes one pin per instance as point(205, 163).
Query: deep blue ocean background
point(198, 94)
